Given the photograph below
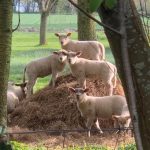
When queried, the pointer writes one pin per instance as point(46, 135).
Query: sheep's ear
point(71, 89)
point(69, 34)
point(86, 90)
point(57, 34)
point(78, 53)
point(115, 117)
point(55, 52)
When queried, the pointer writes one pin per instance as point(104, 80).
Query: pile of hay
point(55, 108)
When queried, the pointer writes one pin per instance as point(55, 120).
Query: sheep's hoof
point(101, 132)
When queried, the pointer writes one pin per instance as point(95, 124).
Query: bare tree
point(5, 50)
point(45, 7)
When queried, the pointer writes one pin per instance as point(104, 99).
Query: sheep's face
point(62, 55)
point(63, 38)
point(72, 57)
point(78, 91)
point(123, 121)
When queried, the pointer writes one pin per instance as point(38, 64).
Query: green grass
point(55, 22)
point(22, 146)
point(25, 48)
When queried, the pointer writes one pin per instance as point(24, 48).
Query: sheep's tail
point(24, 78)
point(102, 51)
point(115, 77)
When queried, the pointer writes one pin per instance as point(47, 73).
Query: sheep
point(15, 93)
point(83, 68)
point(93, 50)
point(18, 89)
point(43, 67)
point(12, 101)
point(92, 108)
point(123, 120)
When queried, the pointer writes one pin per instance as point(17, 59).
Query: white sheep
point(15, 93)
point(18, 89)
point(43, 67)
point(93, 50)
point(83, 68)
point(12, 101)
point(92, 108)
point(123, 120)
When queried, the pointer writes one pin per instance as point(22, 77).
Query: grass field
point(55, 22)
point(25, 44)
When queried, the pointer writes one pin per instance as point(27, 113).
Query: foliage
point(110, 3)
point(128, 147)
point(22, 146)
point(94, 4)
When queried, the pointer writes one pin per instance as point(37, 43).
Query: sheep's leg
point(54, 77)
point(110, 88)
point(116, 124)
point(98, 127)
point(89, 125)
point(30, 86)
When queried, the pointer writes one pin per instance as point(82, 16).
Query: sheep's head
point(23, 89)
point(123, 121)
point(62, 55)
point(72, 57)
point(80, 92)
point(63, 38)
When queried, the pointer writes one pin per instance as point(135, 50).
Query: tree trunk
point(43, 28)
point(5, 51)
point(86, 26)
point(139, 61)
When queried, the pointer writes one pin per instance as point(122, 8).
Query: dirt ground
point(55, 108)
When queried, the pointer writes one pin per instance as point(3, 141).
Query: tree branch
point(94, 19)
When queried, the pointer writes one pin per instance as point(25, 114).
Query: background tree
point(86, 26)
point(45, 7)
point(135, 43)
point(5, 51)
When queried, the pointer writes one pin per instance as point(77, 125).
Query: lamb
point(92, 108)
point(83, 68)
point(92, 50)
point(15, 93)
point(123, 120)
point(18, 89)
point(43, 67)
point(12, 101)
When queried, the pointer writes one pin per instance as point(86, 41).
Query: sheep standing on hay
point(83, 68)
point(43, 67)
point(92, 50)
point(15, 93)
point(123, 120)
point(92, 108)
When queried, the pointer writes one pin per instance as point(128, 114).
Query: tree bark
point(86, 26)
point(43, 28)
point(5, 51)
point(139, 61)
